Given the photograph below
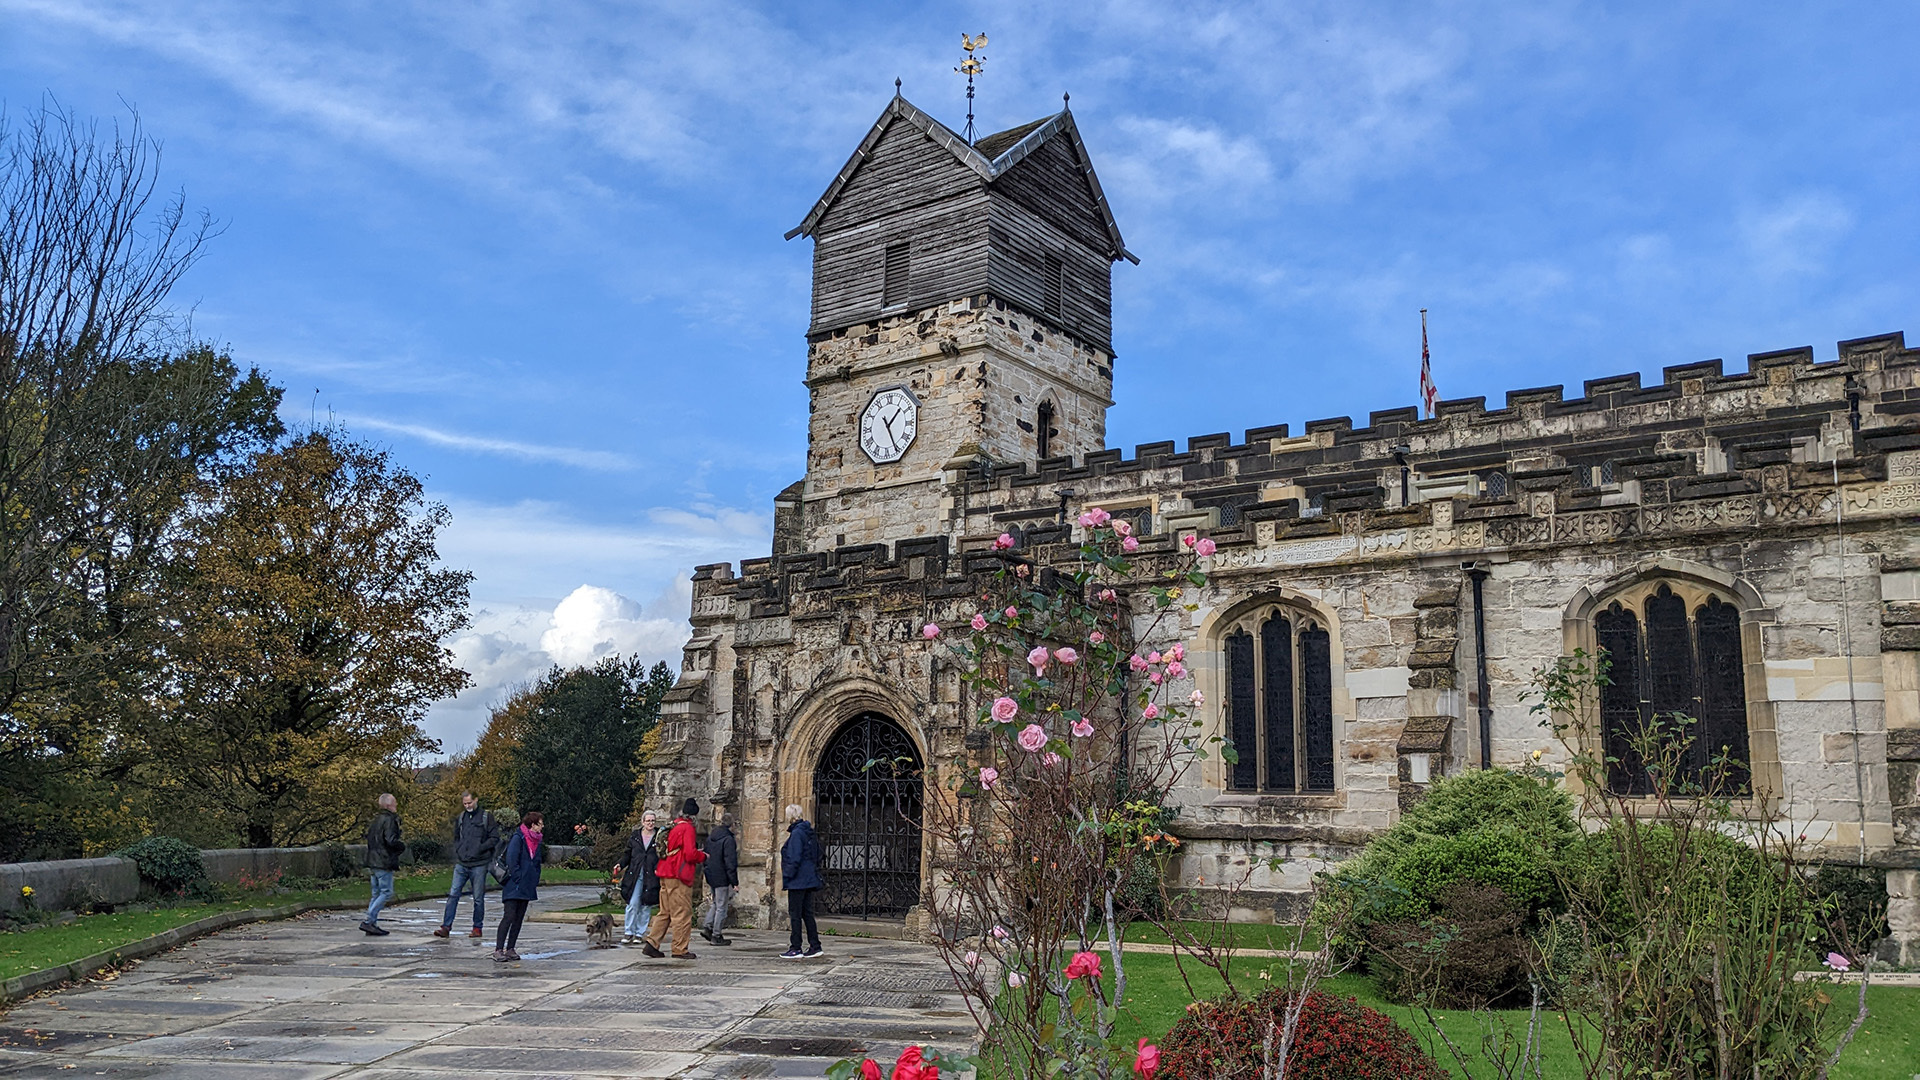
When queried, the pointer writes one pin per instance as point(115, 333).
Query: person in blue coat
point(521, 885)
point(800, 873)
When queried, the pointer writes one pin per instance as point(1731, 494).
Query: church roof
point(990, 157)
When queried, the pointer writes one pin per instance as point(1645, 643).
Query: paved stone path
point(312, 997)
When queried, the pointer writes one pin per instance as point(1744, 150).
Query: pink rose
point(1107, 596)
point(930, 631)
point(1012, 612)
point(1094, 518)
point(1147, 1059)
point(1178, 652)
point(1176, 669)
point(1123, 527)
point(1151, 712)
point(1096, 637)
point(1129, 545)
point(972, 958)
point(1197, 698)
point(989, 776)
point(1066, 655)
point(1203, 547)
point(1153, 658)
point(1188, 539)
point(1050, 759)
point(1005, 709)
point(1082, 728)
point(999, 932)
point(1136, 662)
point(870, 1070)
point(1838, 962)
point(1003, 542)
point(1031, 738)
point(1156, 678)
point(1037, 659)
point(1084, 965)
point(979, 622)
point(1014, 980)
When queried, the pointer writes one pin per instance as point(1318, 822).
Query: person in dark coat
point(800, 874)
point(384, 846)
point(639, 877)
point(722, 869)
point(476, 839)
point(521, 886)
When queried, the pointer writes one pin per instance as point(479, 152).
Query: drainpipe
point(1478, 573)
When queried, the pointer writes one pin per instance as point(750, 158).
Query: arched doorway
point(867, 799)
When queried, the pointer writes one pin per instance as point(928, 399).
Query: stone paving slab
point(310, 998)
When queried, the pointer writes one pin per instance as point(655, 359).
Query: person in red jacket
point(677, 870)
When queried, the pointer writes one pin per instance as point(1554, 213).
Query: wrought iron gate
point(867, 800)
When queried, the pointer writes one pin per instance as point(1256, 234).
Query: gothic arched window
point(1279, 702)
point(1673, 655)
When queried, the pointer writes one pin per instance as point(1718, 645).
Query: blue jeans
point(464, 876)
point(638, 914)
point(382, 892)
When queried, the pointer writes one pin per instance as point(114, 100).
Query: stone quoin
point(1381, 594)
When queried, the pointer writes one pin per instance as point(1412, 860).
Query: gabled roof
point(991, 157)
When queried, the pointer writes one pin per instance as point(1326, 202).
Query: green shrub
point(1856, 900)
point(1469, 955)
point(428, 849)
point(1493, 826)
point(340, 861)
point(167, 866)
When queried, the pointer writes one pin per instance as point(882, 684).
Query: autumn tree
point(108, 419)
point(578, 759)
point(308, 613)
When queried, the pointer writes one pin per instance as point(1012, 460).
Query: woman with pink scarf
point(521, 886)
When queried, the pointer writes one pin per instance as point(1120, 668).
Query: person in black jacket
point(723, 876)
point(476, 838)
point(383, 858)
point(639, 881)
point(800, 874)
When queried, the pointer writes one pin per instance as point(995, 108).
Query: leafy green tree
point(307, 611)
point(578, 758)
point(108, 422)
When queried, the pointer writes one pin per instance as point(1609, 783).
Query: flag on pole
point(1429, 393)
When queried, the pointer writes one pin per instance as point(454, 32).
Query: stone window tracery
point(1279, 701)
point(1675, 650)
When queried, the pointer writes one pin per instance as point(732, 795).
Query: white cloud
point(604, 460)
point(531, 610)
point(593, 623)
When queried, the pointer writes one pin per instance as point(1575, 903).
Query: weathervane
point(974, 64)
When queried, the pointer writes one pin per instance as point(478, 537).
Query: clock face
point(888, 424)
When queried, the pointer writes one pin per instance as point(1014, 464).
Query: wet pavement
point(312, 998)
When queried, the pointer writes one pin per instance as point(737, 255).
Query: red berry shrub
point(1337, 1039)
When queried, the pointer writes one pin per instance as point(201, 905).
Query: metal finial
point(973, 65)
point(896, 86)
point(1066, 101)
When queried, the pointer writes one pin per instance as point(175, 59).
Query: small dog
point(600, 931)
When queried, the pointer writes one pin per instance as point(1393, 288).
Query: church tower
point(962, 316)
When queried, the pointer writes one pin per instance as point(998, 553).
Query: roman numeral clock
point(888, 424)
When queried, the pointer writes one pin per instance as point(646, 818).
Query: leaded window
point(1674, 657)
point(1280, 702)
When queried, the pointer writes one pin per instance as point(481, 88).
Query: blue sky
point(535, 248)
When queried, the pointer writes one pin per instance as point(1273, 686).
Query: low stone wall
point(230, 864)
point(68, 883)
point(71, 884)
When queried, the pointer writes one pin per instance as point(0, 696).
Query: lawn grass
point(1887, 1048)
point(38, 947)
point(1243, 935)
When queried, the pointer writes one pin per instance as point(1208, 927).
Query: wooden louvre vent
point(1053, 293)
point(893, 292)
